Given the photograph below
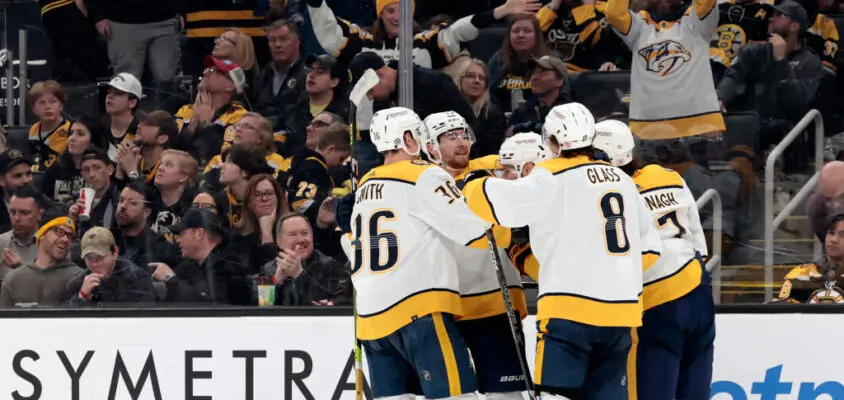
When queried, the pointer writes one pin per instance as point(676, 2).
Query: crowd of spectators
point(234, 189)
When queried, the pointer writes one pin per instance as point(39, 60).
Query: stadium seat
point(604, 93)
point(487, 43)
point(82, 100)
point(742, 129)
point(38, 179)
point(17, 137)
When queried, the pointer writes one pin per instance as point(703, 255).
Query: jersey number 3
point(383, 245)
point(615, 233)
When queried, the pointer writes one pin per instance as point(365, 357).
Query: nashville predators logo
point(666, 57)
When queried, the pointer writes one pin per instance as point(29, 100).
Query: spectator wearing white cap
point(108, 278)
point(122, 98)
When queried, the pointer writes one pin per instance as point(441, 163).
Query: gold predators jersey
point(589, 230)
point(405, 216)
point(479, 289)
point(739, 23)
point(672, 206)
point(47, 147)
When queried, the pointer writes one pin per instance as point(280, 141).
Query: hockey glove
point(534, 127)
point(343, 212)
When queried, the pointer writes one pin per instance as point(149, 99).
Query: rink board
point(302, 357)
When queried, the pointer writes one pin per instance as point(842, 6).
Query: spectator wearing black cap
point(139, 159)
point(209, 122)
point(444, 97)
point(108, 280)
point(44, 282)
point(324, 85)
point(15, 171)
point(97, 171)
point(135, 240)
point(63, 180)
point(548, 75)
point(777, 79)
point(208, 273)
point(241, 163)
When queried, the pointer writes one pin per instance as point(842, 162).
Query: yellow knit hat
point(380, 5)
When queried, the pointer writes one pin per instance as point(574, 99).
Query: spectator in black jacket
point(281, 85)
point(140, 34)
point(324, 84)
point(547, 77)
point(108, 280)
point(433, 91)
point(777, 79)
point(304, 276)
point(135, 240)
point(209, 273)
point(97, 171)
point(473, 81)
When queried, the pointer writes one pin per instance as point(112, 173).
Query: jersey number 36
point(382, 244)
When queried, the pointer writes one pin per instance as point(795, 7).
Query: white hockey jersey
point(479, 288)
point(672, 93)
point(589, 230)
point(678, 270)
point(405, 217)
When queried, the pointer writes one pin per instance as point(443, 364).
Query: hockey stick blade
point(366, 82)
point(515, 322)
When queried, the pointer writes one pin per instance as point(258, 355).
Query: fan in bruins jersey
point(740, 22)
point(310, 181)
point(448, 142)
point(673, 349)
point(579, 32)
point(47, 137)
point(819, 282)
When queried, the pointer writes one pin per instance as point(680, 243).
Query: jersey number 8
point(615, 233)
point(377, 241)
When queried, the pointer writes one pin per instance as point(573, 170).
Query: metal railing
point(771, 221)
point(23, 79)
point(713, 265)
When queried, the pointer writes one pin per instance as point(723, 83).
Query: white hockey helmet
point(571, 125)
point(389, 126)
point(438, 124)
point(521, 149)
point(614, 138)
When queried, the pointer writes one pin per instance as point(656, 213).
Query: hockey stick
point(366, 82)
point(515, 324)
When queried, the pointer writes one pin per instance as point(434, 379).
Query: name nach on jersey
point(602, 175)
point(661, 200)
point(373, 191)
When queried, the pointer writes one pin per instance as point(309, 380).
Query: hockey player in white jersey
point(592, 236)
point(672, 350)
point(520, 153)
point(406, 215)
point(485, 326)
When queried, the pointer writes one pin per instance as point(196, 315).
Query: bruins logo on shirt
point(730, 38)
point(666, 57)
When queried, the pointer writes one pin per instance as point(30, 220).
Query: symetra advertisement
point(758, 357)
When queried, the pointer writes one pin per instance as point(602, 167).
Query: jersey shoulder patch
point(402, 171)
point(651, 177)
